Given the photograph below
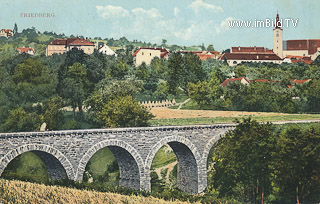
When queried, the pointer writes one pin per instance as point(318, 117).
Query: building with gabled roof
point(6, 33)
point(234, 59)
point(304, 48)
point(105, 49)
point(297, 59)
point(60, 46)
point(299, 82)
point(242, 80)
point(204, 55)
point(251, 50)
point(27, 50)
point(146, 54)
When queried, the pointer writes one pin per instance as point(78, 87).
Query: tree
point(32, 81)
point(312, 93)
point(142, 72)
point(164, 41)
point(242, 161)
point(19, 120)
point(210, 48)
point(53, 115)
point(240, 71)
point(108, 90)
point(297, 164)
point(15, 29)
point(205, 93)
point(119, 70)
point(193, 71)
point(124, 111)
point(203, 48)
point(75, 86)
point(175, 72)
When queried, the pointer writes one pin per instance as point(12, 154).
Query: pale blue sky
point(182, 22)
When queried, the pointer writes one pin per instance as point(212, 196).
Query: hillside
point(23, 192)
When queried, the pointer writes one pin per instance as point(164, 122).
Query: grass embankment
point(17, 192)
point(217, 120)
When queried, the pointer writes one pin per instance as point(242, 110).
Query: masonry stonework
point(66, 153)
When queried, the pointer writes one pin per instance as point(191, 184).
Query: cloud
point(176, 11)
point(151, 26)
point(152, 13)
point(112, 12)
point(224, 25)
point(197, 5)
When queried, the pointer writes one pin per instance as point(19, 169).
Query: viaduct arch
point(66, 153)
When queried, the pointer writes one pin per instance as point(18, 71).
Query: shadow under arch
point(189, 164)
point(129, 161)
point(58, 166)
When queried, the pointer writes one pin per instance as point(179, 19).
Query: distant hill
point(30, 37)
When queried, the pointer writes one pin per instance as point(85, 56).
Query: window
point(234, 62)
point(150, 54)
point(142, 53)
point(277, 35)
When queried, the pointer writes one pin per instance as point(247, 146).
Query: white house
point(105, 49)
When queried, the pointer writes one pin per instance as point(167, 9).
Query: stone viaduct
point(66, 153)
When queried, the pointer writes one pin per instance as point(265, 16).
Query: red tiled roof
point(311, 45)
point(71, 41)
point(227, 81)
point(297, 44)
point(302, 60)
point(78, 41)
point(247, 56)
point(163, 51)
point(264, 80)
point(296, 81)
point(7, 30)
point(203, 55)
point(297, 59)
point(25, 49)
point(250, 50)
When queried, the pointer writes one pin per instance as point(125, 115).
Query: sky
point(181, 22)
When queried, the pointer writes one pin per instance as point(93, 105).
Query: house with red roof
point(146, 54)
point(245, 81)
point(297, 59)
point(234, 59)
point(60, 46)
point(27, 50)
point(298, 82)
point(6, 33)
point(242, 80)
point(204, 55)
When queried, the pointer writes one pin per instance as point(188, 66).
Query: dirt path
point(184, 102)
point(167, 113)
point(169, 167)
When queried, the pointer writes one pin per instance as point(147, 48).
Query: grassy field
point(18, 192)
point(217, 120)
point(163, 157)
point(101, 167)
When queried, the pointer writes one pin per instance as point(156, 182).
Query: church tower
point(277, 38)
